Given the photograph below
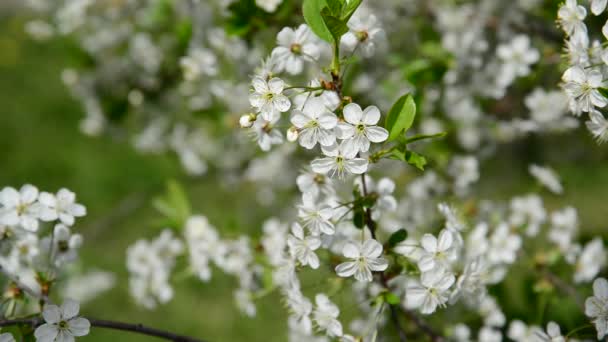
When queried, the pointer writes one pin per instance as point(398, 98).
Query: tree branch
point(134, 328)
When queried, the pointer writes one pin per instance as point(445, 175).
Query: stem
point(335, 63)
point(134, 328)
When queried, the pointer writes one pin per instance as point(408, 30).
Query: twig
point(134, 328)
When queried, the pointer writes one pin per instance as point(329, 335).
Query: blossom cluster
point(326, 110)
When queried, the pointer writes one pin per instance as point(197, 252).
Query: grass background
point(40, 143)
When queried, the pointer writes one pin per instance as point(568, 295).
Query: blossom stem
point(135, 328)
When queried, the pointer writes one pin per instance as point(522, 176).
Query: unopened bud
point(247, 120)
point(292, 134)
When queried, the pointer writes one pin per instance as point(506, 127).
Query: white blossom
point(430, 292)
point(61, 206)
point(326, 314)
point(303, 247)
point(596, 307)
point(62, 323)
point(339, 161)
point(268, 97)
point(315, 124)
point(359, 128)
point(366, 257)
point(295, 47)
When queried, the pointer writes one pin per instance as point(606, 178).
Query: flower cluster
point(583, 81)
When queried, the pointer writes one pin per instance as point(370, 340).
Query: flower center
point(319, 179)
point(63, 325)
point(296, 48)
point(362, 36)
point(360, 128)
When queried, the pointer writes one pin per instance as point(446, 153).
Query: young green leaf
point(401, 116)
point(391, 298)
point(349, 9)
point(337, 27)
point(425, 136)
point(415, 159)
point(312, 15)
point(397, 237)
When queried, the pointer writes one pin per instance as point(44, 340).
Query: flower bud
point(247, 120)
point(292, 134)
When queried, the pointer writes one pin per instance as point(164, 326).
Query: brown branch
point(134, 328)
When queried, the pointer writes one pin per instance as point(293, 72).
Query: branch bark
point(114, 325)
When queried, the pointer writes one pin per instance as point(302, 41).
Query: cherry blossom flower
point(364, 33)
point(596, 307)
point(20, 207)
point(295, 47)
point(316, 216)
point(598, 126)
point(437, 253)
point(303, 247)
point(326, 314)
point(339, 161)
point(430, 292)
point(268, 97)
point(62, 323)
point(582, 86)
point(61, 206)
point(315, 124)
point(360, 128)
point(365, 257)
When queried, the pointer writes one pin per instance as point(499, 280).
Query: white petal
point(371, 115)
point(70, 307)
point(323, 165)
point(260, 85)
point(356, 166)
point(346, 269)
point(598, 6)
point(351, 250)
point(353, 113)
point(281, 103)
point(371, 249)
point(376, 134)
point(429, 243)
point(51, 313)
point(79, 326)
point(276, 85)
point(377, 264)
point(46, 333)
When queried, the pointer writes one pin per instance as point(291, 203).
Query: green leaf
point(401, 116)
point(415, 159)
point(359, 218)
point(425, 136)
point(335, 7)
point(336, 26)
point(312, 15)
point(391, 298)
point(174, 204)
point(397, 237)
point(603, 91)
point(350, 8)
